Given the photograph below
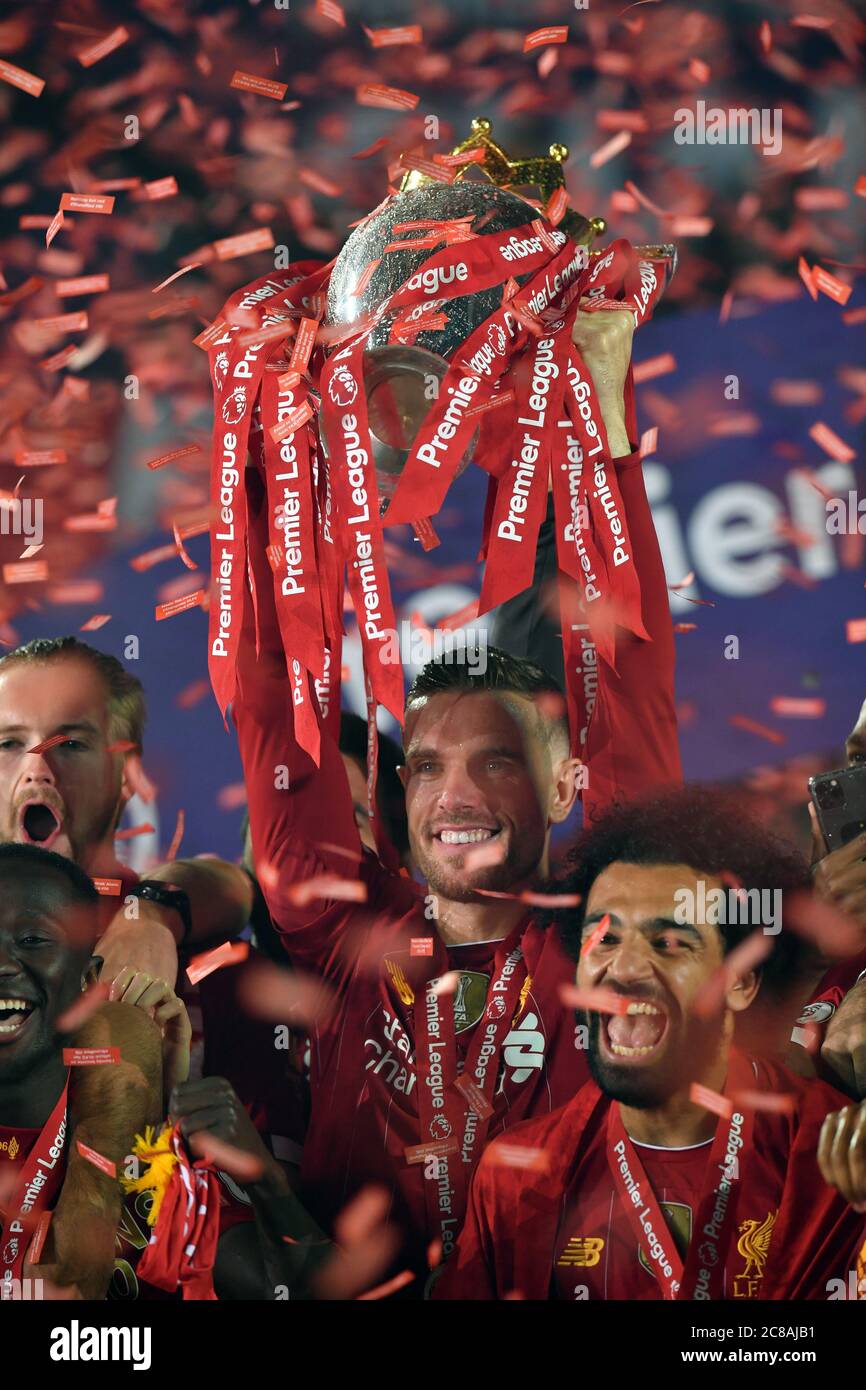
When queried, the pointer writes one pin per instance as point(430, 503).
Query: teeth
point(465, 837)
point(629, 1051)
point(14, 1004)
point(642, 1009)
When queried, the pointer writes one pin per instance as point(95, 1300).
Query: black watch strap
point(152, 890)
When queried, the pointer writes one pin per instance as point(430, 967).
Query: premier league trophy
point(447, 338)
point(482, 196)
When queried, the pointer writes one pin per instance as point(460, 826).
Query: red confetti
point(262, 86)
point(600, 1001)
point(179, 605)
point(83, 1008)
point(181, 452)
point(610, 149)
point(228, 248)
point(82, 284)
point(192, 694)
point(751, 726)
point(104, 1165)
point(387, 38)
point(655, 366)
point(329, 9)
point(327, 886)
point(229, 953)
point(90, 1056)
point(555, 33)
point(171, 852)
point(830, 442)
point(132, 832)
point(772, 1102)
point(711, 1100)
point(17, 77)
point(390, 1287)
point(792, 707)
point(389, 98)
point(108, 887)
point(855, 630)
point(95, 623)
point(88, 56)
point(87, 202)
point(598, 932)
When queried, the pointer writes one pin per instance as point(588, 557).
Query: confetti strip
point(711, 1100)
point(771, 1102)
point(654, 366)
point(108, 887)
point(600, 1001)
point(329, 9)
point(132, 832)
point(830, 442)
point(751, 726)
point(262, 86)
point(327, 886)
point(229, 248)
point(95, 623)
point(104, 1165)
point(171, 852)
point(610, 149)
point(793, 707)
point(90, 1056)
point(83, 1008)
point(389, 98)
point(102, 203)
point(179, 605)
point(88, 56)
point(556, 33)
point(17, 77)
point(421, 946)
point(855, 630)
point(82, 284)
point(182, 451)
point(229, 953)
point(387, 38)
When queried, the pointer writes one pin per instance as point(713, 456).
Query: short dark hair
point(127, 710)
point(502, 673)
point(80, 887)
point(699, 826)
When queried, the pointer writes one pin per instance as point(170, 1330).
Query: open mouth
point(636, 1034)
point(39, 824)
point(466, 835)
point(14, 1014)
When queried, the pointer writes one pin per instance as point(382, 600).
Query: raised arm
point(637, 714)
point(301, 816)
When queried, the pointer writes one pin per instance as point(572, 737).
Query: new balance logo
point(582, 1252)
point(77, 1343)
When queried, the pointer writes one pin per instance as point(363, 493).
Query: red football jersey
point(363, 1061)
point(544, 1220)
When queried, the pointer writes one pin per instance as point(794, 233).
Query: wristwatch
point(153, 890)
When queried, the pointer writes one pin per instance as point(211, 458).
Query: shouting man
point(684, 1169)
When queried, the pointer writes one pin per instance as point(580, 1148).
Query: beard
point(692, 1044)
point(456, 884)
